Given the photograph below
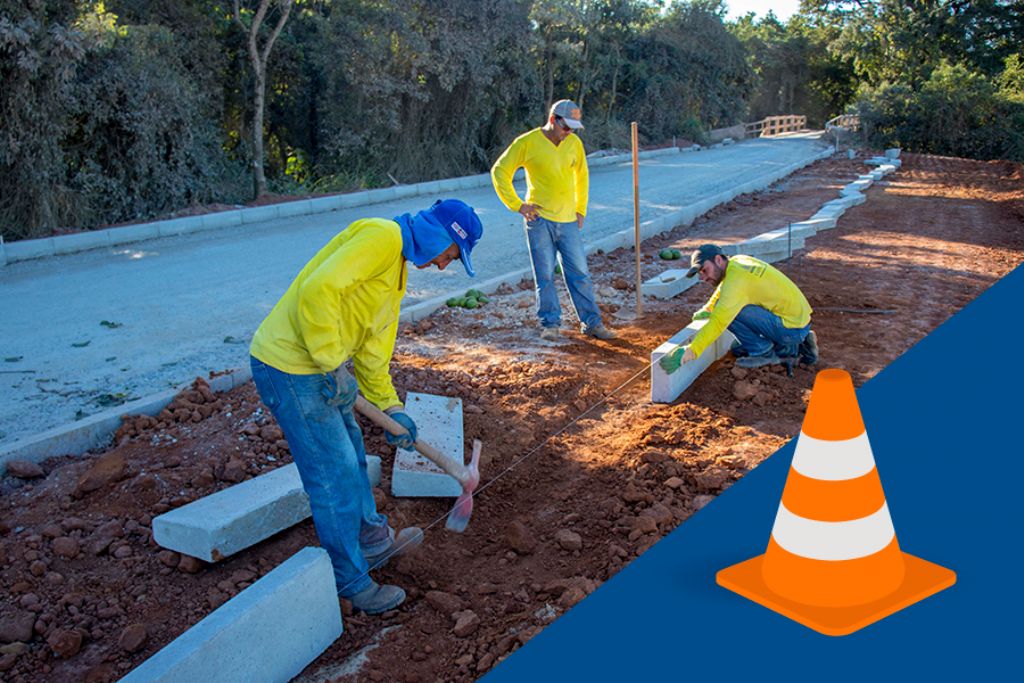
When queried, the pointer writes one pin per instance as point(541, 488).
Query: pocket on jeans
point(265, 385)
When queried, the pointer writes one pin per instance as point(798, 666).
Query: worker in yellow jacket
point(557, 190)
point(764, 309)
point(344, 305)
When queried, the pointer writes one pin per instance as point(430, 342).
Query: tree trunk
point(258, 177)
point(259, 57)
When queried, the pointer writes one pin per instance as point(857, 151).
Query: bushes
point(101, 125)
point(141, 141)
point(956, 112)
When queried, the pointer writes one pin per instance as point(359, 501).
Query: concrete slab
point(240, 516)
point(816, 225)
point(269, 632)
point(668, 284)
point(258, 214)
point(82, 241)
point(666, 388)
point(439, 421)
point(221, 219)
point(301, 207)
point(24, 250)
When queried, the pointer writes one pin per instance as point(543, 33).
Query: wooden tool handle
point(385, 421)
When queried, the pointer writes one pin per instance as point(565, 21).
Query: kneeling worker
point(344, 304)
point(765, 311)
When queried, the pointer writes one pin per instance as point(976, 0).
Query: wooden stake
point(636, 215)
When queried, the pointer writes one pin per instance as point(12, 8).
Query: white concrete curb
point(24, 250)
point(95, 431)
point(268, 633)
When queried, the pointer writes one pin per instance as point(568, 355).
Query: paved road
point(179, 307)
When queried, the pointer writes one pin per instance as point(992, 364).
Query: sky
point(782, 8)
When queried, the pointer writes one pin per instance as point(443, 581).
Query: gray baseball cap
point(568, 111)
point(702, 254)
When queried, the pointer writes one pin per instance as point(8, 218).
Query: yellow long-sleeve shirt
point(751, 281)
point(557, 178)
point(343, 304)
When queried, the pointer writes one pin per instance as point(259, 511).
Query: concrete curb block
point(666, 388)
point(268, 632)
point(670, 283)
point(238, 517)
point(25, 250)
point(439, 420)
point(96, 430)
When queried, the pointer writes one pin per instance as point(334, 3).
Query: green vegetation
point(130, 109)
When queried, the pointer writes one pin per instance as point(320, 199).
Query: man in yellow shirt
point(343, 305)
point(764, 309)
point(557, 187)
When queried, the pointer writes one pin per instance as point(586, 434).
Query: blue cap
point(463, 226)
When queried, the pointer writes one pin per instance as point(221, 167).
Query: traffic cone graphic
point(833, 563)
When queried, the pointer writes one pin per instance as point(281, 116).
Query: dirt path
point(550, 527)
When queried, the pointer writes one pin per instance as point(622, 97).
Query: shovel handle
point(383, 420)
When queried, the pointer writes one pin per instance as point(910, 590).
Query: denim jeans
point(546, 239)
point(327, 447)
point(760, 333)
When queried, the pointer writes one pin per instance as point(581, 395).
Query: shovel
point(467, 476)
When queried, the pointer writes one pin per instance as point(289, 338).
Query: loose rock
point(520, 539)
point(466, 623)
point(17, 627)
point(446, 603)
point(65, 643)
point(106, 470)
point(569, 540)
point(133, 638)
point(744, 390)
point(66, 547)
point(24, 469)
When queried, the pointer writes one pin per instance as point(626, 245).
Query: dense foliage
point(127, 109)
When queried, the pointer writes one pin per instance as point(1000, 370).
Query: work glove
point(671, 361)
point(405, 441)
point(340, 388)
point(701, 315)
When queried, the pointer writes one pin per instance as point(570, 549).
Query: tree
point(258, 58)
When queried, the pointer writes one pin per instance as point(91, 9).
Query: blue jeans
point(546, 239)
point(327, 447)
point(760, 333)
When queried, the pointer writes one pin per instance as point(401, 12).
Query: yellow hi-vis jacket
point(557, 178)
point(343, 304)
point(751, 281)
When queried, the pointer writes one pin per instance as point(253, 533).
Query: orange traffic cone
point(833, 563)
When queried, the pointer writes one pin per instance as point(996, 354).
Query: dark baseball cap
point(700, 255)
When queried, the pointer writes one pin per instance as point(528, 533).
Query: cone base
point(923, 579)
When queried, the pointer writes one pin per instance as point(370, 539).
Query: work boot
point(758, 361)
point(598, 331)
point(809, 349)
point(378, 598)
point(738, 351)
point(405, 541)
point(550, 334)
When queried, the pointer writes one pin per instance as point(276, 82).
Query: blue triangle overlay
point(946, 424)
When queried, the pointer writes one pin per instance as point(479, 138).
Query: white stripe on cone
point(833, 460)
point(833, 540)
